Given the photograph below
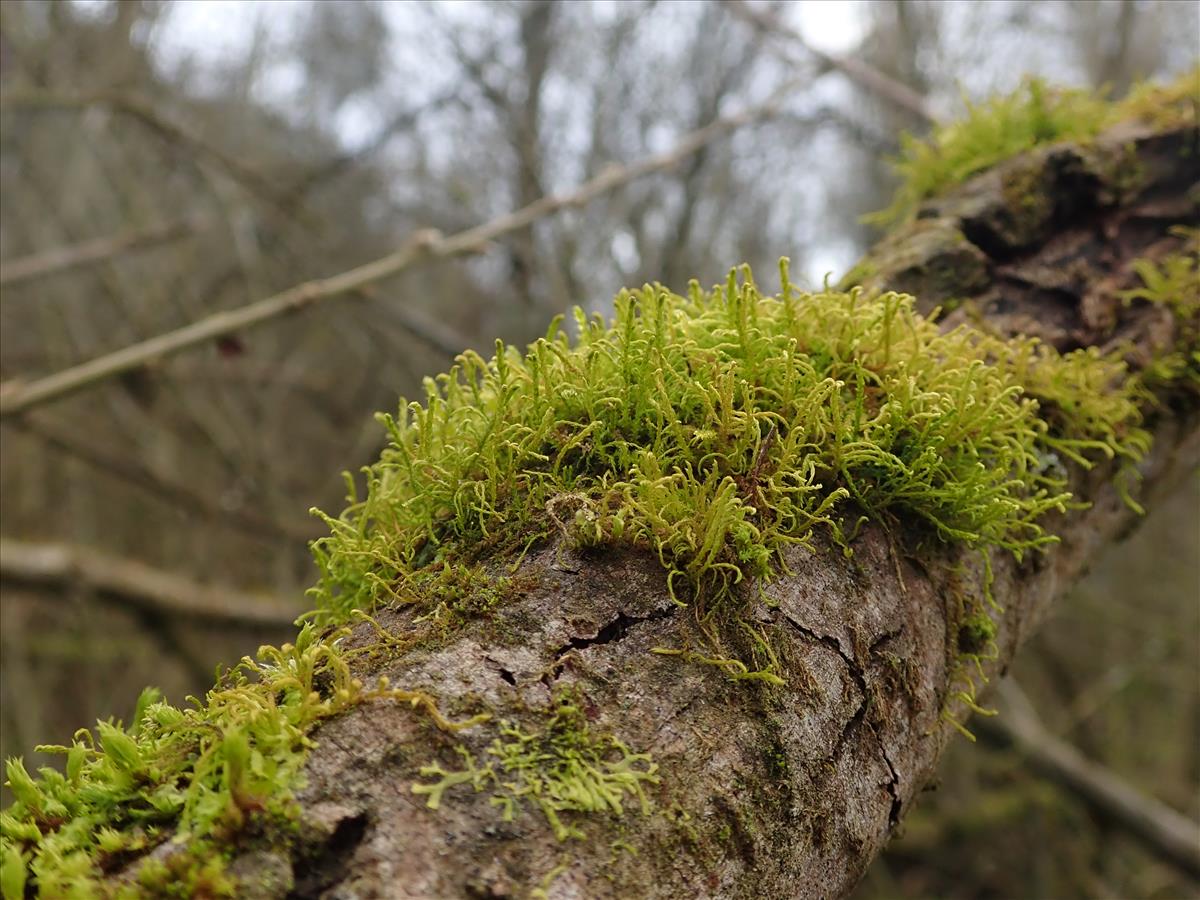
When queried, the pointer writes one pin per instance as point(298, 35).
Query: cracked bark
point(765, 792)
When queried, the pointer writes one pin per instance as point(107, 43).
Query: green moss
point(991, 132)
point(1163, 106)
point(542, 891)
point(776, 757)
point(717, 429)
point(209, 772)
point(976, 632)
point(1032, 116)
point(971, 626)
point(184, 875)
point(565, 767)
point(457, 594)
point(714, 430)
point(1174, 283)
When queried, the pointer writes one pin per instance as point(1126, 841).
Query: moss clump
point(563, 768)
point(976, 632)
point(1174, 283)
point(1163, 105)
point(1034, 115)
point(208, 772)
point(714, 430)
point(1086, 399)
point(717, 429)
point(456, 594)
point(989, 133)
point(201, 771)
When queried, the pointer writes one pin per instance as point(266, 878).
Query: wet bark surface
point(764, 791)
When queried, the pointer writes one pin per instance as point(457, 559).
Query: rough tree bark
point(780, 792)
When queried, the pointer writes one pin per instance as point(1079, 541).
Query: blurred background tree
point(162, 161)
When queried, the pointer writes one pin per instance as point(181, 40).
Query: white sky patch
point(215, 33)
point(625, 252)
point(835, 26)
point(209, 31)
point(833, 259)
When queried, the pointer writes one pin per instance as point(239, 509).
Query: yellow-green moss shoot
point(1006, 125)
point(717, 428)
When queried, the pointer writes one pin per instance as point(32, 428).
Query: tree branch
point(63, 259)
point(138, 585)
point(861, 73)
point(183, 497)
point(786, 792)
point(1169, 835)
point(143, 111)
point(16, 397)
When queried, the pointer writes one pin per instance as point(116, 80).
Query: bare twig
point(139, 585)
point(425, 244)
point(63, 259)
point(1171, 836)
point(861, 73)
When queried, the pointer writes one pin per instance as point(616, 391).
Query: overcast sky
point(212, 33)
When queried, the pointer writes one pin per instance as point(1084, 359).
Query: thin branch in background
point(64, 259)
point(1169, 835)
point(861, 73)
point(425, 244)
point(138, 585)
point(1102, 690)
point(177, 494)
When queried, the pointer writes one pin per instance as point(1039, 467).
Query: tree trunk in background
point(765, 792)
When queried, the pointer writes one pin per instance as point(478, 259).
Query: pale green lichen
point(564, 767)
